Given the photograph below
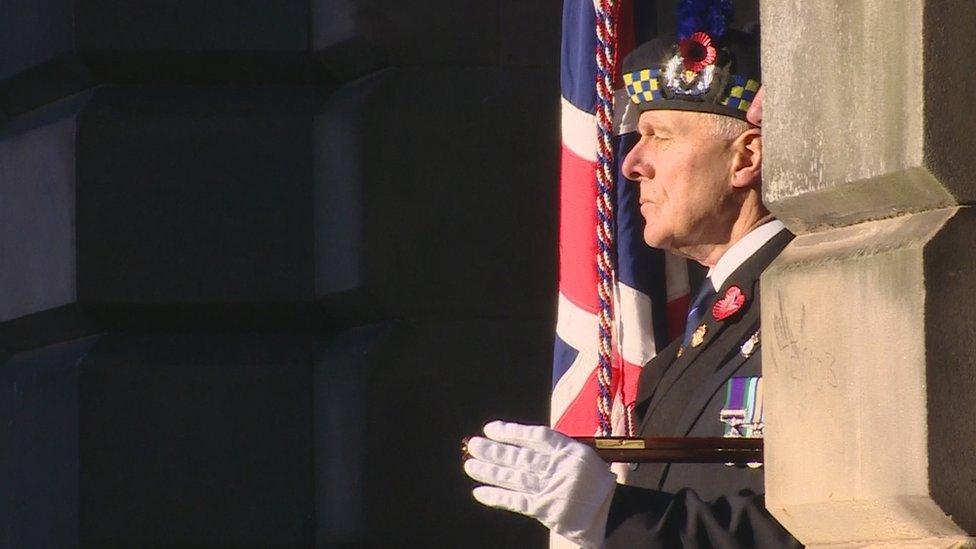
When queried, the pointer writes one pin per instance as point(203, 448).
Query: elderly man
point(698, 165)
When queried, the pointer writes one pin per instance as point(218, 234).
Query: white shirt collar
point(742, 250)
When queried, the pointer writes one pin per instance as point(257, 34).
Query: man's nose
point(635, 164)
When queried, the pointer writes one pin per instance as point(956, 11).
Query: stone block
point(39, 445)
point(197, 440)
point(37, 226)
point(196, 195)
point(134, 206)
point(342, 367)
point(270, 440)
point(55, 48)
point(37, 33)
point(433, 383)
point(431, 202)
point(529, 33)
point(867, 357)
point(216, 25)
point(392, 404)
point(350, 34)
point(38, 59)
point(863, 112)
point(242, 207)
point(33, 33)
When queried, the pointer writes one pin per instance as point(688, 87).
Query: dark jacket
point(699, 505)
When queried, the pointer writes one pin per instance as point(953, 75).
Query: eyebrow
point(652, 127)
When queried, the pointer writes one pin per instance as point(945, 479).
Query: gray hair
point(724, 127)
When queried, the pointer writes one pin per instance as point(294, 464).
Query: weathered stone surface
point(864, 116)
point(869, 333)
point(867, 355)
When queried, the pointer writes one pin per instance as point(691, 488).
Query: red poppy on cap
point(697, 51)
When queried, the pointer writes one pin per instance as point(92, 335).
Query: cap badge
point(729, 304)
point(691, 70)
point(685, 82)
point(697, 51)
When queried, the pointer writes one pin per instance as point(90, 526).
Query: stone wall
point(264, 263)
point(869, 354)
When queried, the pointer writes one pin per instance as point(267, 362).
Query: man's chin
point(668, 243)
point(657, 240)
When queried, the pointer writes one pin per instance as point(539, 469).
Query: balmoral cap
point(705, 67)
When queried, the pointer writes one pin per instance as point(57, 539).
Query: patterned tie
point(697, 310)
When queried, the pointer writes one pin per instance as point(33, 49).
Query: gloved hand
point(546, 475)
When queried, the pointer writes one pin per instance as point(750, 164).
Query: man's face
point(683, 169)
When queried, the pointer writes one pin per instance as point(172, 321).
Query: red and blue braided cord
point(606, 59)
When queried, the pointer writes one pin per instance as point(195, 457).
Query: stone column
point(870, 314)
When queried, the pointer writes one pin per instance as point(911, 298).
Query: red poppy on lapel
point(730, 303)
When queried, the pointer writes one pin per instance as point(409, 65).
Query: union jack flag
point(651, 287)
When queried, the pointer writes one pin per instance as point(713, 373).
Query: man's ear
point(747, 159)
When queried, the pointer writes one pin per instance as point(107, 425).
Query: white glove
point(546, 475)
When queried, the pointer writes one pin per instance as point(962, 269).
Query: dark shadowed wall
point(263, 263)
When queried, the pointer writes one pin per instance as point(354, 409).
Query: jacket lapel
point(681, 364)
point(711, 351)
point(652, 374)
point(699, 400)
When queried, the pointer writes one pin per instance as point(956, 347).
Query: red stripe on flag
point(577, 231)
point(631, 377)
point(580, 417)
point(677, 311)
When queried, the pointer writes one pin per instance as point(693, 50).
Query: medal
point(743, 414)
point(750, 345)
point(698, 337)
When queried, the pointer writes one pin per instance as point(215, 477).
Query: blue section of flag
point(563, 357)
point(578, 68)
point(645, 21)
